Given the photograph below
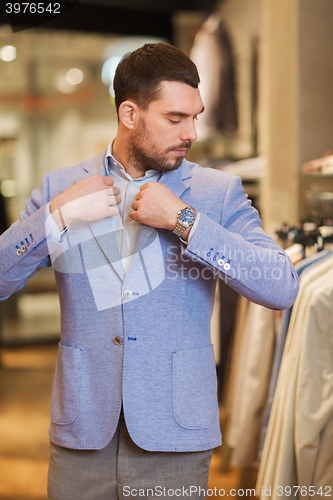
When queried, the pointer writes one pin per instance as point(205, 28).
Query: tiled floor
point(25, 387)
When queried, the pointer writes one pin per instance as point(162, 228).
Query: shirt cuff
point(194, 227)
point(52, 226)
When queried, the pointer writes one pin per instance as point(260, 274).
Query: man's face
point(164, 132)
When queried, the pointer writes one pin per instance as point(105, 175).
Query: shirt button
point(23, 248)
point(128, 255)
point(226, 266)
point(128, 294)
point(221, 262)
point(118, 340)
point(18, 252)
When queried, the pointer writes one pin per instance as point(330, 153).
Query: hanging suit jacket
point(213, 55)
point(250, 389)
point(298, 445)
point(143, 338)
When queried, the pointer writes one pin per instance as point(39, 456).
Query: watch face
point(186, 217)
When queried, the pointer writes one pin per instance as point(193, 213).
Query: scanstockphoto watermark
point(185, 492)
point(239, 273)
point(253, 264)
point(93, 249)
point(251, 255)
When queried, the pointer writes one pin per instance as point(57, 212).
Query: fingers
point(133, 216)
point(114, 200)
point(142, 188)
point(99, 182)
point(113, 211)
point(113, 191)
point(107, 180)
point(93, 198)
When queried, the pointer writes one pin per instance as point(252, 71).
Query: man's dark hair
point(139, 73)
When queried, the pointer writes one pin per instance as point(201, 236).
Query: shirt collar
point(112, 165)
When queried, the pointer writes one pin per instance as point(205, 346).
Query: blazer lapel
point(104, 230)
point(177, 180)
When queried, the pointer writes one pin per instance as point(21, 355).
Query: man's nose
point(189, 132)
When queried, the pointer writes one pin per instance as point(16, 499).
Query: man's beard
point(143, 154)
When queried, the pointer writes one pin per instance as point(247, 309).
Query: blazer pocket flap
point(66, 385)
point(194, 387)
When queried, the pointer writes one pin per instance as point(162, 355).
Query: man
point(137, 236)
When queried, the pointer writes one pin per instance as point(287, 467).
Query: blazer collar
point(96, 165)
point(178, 181)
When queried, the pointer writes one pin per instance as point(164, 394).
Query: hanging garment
point(241, 312)
point(228, 310)
point(212, 53)
point(254, 366)
point(251, 385)
point(314, 393)
point(301, 267)
point(3, 215)
point(215, 325)
point(247, 169)
point(286, 446)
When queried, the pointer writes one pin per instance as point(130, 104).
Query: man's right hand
point(90, 199)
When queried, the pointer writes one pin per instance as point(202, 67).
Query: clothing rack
point(309, 234)
point(321, 205)
point(257, 360)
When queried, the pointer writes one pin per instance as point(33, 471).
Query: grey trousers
point(123, 470)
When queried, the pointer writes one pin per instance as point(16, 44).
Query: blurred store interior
point(56, 109)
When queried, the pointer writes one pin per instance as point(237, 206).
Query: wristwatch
point(185, 218)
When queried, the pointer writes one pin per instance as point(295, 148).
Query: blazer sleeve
point(240, 253)
point(23, 247)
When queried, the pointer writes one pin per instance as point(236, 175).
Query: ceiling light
point(74, 76)
point(8, 53)
point(8, 188)
point(109, 70)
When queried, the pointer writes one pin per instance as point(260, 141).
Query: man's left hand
point(156, 206)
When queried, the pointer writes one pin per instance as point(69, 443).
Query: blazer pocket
point(66, 386)
point(194, 387)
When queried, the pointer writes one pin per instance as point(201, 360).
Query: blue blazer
point(144, 338)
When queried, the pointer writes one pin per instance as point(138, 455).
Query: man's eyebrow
point(181, 113)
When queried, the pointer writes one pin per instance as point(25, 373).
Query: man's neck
point(119, 153)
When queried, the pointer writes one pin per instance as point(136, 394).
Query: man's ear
point(128, 114)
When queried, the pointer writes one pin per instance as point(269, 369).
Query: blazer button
point(226, 266)
point(18, 252)
point(23, 248)
point(221, 262)
point(118, 340)
point(128, 294)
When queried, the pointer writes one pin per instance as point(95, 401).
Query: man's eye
point(174, 121)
